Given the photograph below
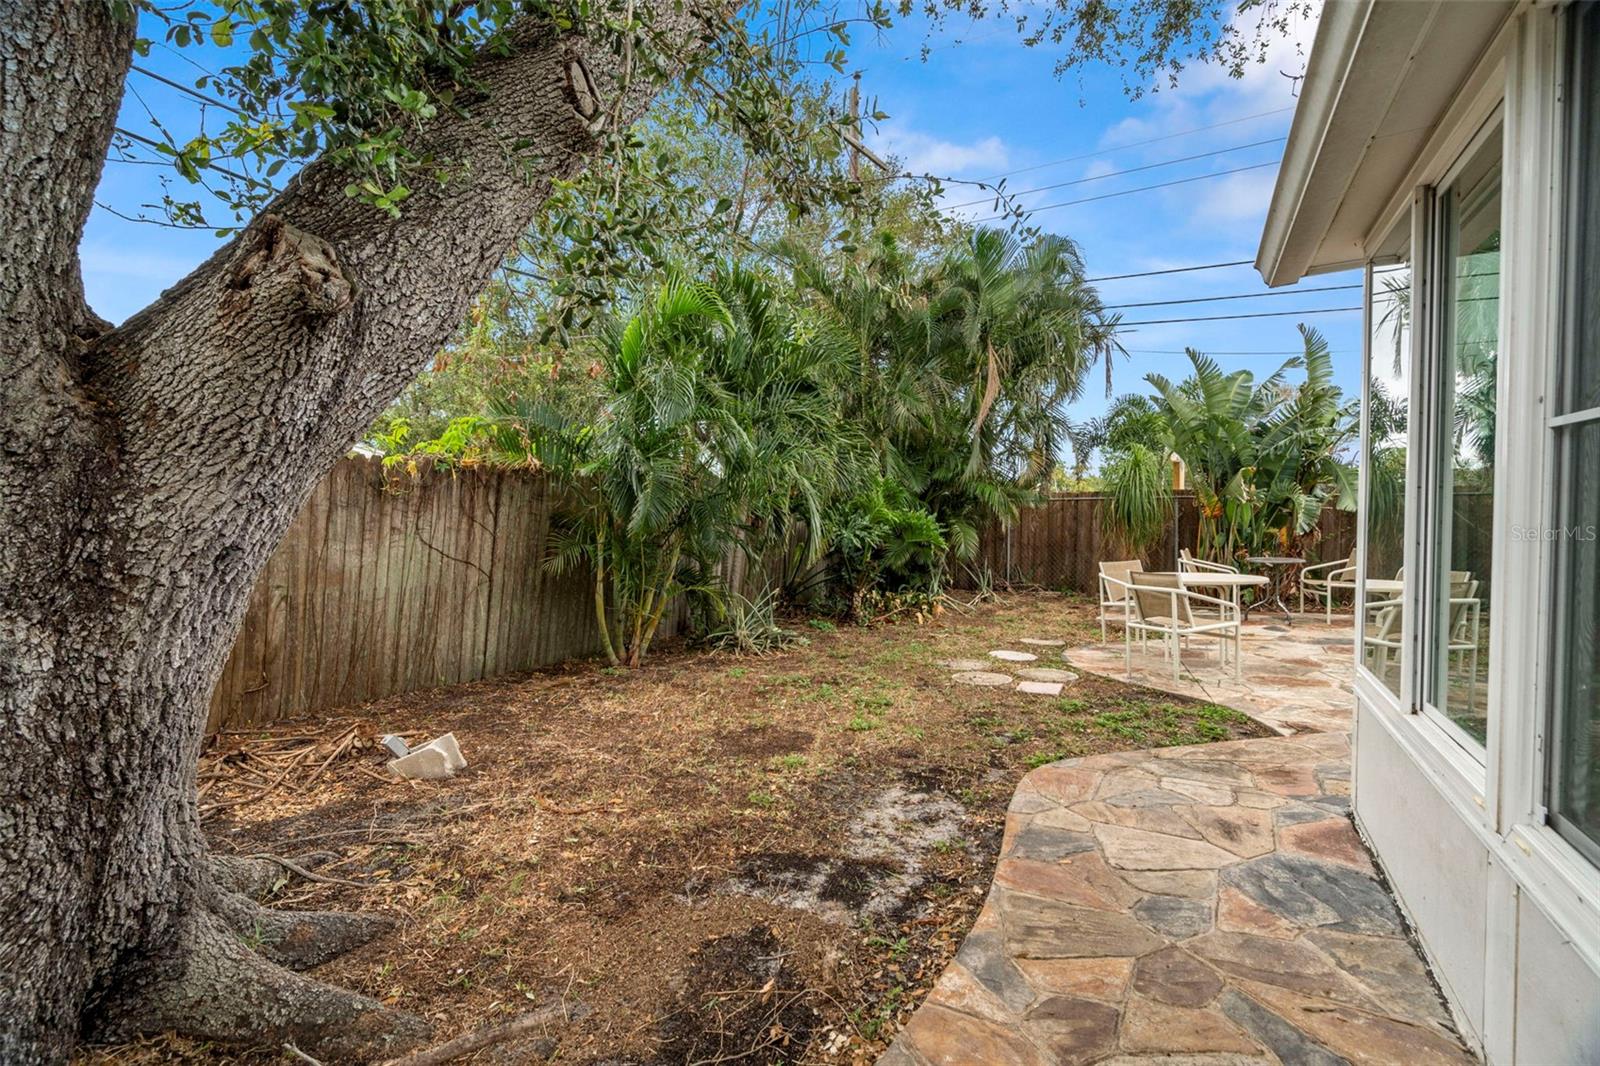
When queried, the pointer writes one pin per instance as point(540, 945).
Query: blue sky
point(990, 105)
point(974, 109)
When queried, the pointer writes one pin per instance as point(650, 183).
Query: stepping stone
point(1043, 642)
point(981, 677)
point(1040, 688)
point(1012, 656)
point(1044, 673)
point(964, 664)
point(1285, 1041)
point(1048, 843)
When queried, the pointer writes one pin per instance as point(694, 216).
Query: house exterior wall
point(1437, 867)
point(1556, 995)
point(1507, 911)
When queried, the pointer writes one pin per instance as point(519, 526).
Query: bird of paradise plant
point(1264, 458)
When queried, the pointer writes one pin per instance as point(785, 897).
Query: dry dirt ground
point(712, 859)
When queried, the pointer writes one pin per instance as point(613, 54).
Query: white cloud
point(922, 153)
point(1236, 198)
point(1206, 94)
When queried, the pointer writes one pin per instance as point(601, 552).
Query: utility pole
point(852, 136)
point(855, 123)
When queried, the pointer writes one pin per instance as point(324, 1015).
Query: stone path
point(988, 673)
point(1295, 678)
point(1201, 905)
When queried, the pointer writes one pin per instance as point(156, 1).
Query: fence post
point(1175, 533)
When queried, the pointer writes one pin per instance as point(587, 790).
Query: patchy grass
point(593, 849)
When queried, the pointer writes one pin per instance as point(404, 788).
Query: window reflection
point(1384, 510)
point(1462, 585)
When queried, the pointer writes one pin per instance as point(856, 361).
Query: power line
point(182, 88)
point(1170, 270)
point(1119, 173)
point(1137, 144)
point(1239, 296)
point(509, 269)
point(1258, 314)
point(235, 175)
point(1211, 351)
point(1129, 192)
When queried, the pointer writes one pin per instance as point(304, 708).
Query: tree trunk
point(146, 474)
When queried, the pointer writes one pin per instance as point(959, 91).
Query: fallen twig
point(301, 1055)
point(301, 871)
point(470, 1042)
point(385, 779)
point(342, 745)
point(599, 808)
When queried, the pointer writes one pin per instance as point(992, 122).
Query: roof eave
point(1338, 35)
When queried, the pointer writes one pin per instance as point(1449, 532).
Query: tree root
point(246, 875)
point(467, 1043)
point(302, 872)
point(256, 875)
point(298, 940)
point(219, 989)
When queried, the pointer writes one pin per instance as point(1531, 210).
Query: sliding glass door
point(1458, 584)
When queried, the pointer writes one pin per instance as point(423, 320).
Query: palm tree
point(1086, 438)
point(1017, 325)
point(715, 429)
point(1263, 458)
point(960, 373)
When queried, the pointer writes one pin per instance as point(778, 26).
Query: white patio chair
point(1323, 579)
point(1461, 638)
point(1380, 637)
point(1188, 564)
point(1114, 589)
point(1162, 607)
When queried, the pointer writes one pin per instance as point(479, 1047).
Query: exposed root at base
point(247, 876)
point(299, 940)
point(222, 990)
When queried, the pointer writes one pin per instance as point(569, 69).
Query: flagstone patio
point(1197, 906)
point(1295, 678)
point(1211, 903)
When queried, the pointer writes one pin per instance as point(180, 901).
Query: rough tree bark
point(146, 473)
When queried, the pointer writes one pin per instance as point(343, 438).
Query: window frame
point(1369, 682)
point(1434, 436)
point(1560, 430)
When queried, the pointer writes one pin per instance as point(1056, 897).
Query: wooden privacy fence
point(379, 589)
point(388, 586)
point(1060, 544)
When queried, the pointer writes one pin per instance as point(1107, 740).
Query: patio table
point(1231, 583)
point(1385, 585)
point(1280, 569)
